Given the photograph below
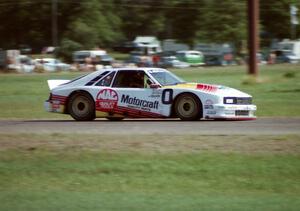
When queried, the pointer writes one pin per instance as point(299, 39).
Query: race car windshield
point(166, 78)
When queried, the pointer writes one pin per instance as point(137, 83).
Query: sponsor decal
point(138, 103)
point(207, 88)
point(209, 102)
point(156, 93)
point(131, 112)
point(107, 100)
point(209, 107)
point(56, 101)
point(167, 96)
point(55, 105)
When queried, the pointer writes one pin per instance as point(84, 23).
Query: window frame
point(112, 80)
point(131, 70)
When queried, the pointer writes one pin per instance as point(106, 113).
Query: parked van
point(193, 58)
point(288, 51)
point(13, 60)
point(216, 54)
point(97, 56)
point(147, 45)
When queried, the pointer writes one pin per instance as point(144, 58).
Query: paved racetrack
point(261, 126)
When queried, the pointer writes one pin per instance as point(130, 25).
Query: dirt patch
point(284, 144)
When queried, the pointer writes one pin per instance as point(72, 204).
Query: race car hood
point(211, 89)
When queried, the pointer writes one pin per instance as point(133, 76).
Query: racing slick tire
point(188, 107)
point(115, 118)
point(81, 107)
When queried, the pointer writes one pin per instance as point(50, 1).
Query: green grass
point(23, 96)
point(93, 172)
point(276, 93)
point(85, 180)
point(162, 172)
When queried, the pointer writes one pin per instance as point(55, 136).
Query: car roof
point(146, 69)
point(84, 79)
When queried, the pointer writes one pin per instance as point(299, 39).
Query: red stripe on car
point(207, 88)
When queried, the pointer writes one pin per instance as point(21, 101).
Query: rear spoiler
point(55, 83)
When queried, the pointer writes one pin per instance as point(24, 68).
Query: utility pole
point(54, 23)
point(253, 37)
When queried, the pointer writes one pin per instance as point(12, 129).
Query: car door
point(135, 98)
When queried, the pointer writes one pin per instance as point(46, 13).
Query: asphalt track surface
point(261, 126)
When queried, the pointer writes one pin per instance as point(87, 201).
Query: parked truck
point(287, 51)
point(13, 60)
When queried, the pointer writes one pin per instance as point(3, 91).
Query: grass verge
point(92, 172)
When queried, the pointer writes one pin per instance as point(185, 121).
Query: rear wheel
point(81, 107)
point(188, 107)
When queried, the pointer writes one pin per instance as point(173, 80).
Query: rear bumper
point(54, 106)
point(230, 112)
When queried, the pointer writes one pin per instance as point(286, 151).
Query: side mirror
point(154, 86)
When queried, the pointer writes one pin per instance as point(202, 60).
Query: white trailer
point(291, 50)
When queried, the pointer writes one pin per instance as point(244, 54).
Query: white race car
point(145, 93)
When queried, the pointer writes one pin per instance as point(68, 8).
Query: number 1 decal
point(167, 96)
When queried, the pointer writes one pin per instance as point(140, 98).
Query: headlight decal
point(229, 100)
point(238, 100)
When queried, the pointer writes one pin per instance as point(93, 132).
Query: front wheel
point(188, 107)
point(81, 107)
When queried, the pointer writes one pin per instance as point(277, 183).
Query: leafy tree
point(84, 24)
point(223, 21)
point(184, 19)
point(141, 17)
point(93, 25)
point(23, 22)
point(275, 18)
point(67, 48)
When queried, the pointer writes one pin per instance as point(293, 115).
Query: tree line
point(84, 24)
